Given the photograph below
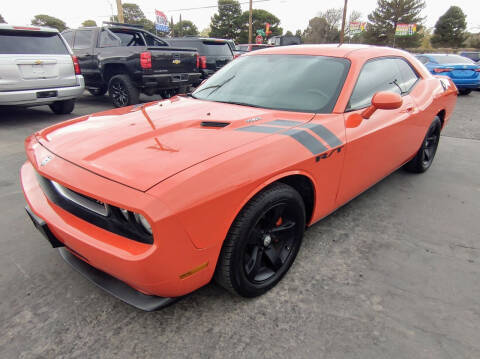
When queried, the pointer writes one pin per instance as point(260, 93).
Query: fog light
point(143, 221)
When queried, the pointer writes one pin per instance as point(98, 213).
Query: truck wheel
point(62, 107)
point(262, 242)
point(122, 91)
point(98, 91)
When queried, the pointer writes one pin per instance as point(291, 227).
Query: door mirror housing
point(383, 100)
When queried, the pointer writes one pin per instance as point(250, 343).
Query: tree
point(473, 40)
point(49, 21)
point(289, 33)
point(206, 32)
point(225, 24)
point(319, 31)
point(324, 28)
point(88, 23)
point(2, 20)
point(184, 28)
point(298, 33)
point(384, 19)
point(259, 19)
point(450, 29)
point(132, 14)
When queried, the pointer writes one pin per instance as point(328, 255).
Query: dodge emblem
point(46, 160)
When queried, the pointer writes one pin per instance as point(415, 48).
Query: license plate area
point(43, 229)
point(47, 94)
point(179, 77)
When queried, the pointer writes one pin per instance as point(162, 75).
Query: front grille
point(93, 211)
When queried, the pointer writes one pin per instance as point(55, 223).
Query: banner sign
point(161, 21)
point(356, 27)
point(405, 29)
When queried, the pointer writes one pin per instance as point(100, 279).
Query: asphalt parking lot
point(393, 274)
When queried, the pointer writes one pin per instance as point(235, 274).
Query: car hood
point(142, 145)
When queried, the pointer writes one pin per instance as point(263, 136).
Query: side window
point(408, 77)
point(68, 36)
point(153, 41)
point(107, 39)
point(376, 75)
point(83, 39)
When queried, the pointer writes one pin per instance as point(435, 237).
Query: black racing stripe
point(261, 129)
point(324, 133)
point(284, 123)
point(307, 140)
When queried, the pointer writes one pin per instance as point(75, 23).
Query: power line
point(214, 6)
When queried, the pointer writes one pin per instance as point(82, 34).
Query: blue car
point(464, 72)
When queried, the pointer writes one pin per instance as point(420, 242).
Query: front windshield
point(299, 83)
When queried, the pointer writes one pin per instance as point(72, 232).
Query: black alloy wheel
point(425, 155)
point(262, 242)
point(119, 93)
point(270, 243)
point(122, 91)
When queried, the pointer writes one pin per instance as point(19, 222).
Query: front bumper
point(153, 269)
point(29, 97)
point(108, 283)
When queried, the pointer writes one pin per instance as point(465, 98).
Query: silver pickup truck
point(37, 68)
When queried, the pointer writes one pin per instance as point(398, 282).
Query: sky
point(293, 14)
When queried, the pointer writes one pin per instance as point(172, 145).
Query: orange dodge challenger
point(152, 201)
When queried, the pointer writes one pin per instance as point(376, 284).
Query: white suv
point(38, 68)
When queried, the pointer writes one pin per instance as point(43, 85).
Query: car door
point(83, 44)
point(379, 145)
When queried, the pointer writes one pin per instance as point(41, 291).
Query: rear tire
point(122, 92)
point(464, 91)
point(263, 242)
point(425, 155)
point(62, 107)
point(98, 91)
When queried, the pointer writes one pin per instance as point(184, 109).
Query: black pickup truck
point(126, 60)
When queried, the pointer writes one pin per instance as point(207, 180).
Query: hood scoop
point(215, 124)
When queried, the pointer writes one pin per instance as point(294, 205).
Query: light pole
point(250, 23)
point(120, 11)
point(342, 32)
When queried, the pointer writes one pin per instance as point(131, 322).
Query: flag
point(161, 21)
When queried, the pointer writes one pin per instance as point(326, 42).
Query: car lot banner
point(161, 21)
point(405, 29)
point(356, 27)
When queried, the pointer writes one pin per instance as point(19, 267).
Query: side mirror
point(383, 100)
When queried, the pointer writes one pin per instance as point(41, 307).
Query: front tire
point(263, 242)
point(425, 155)
point(62, 107)
point(122, 92)
point(464, 91)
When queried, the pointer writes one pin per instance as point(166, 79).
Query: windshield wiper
point(216, 87)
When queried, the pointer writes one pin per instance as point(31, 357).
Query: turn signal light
point(203, 62)
point(76, 65)
point(146, 60)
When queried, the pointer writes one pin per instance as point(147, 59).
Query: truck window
point(153, 41)
point(68, 36)
point(129, 38)
point(83, 39)
point(107, 39)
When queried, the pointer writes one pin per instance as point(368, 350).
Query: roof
point(27, 28)
point(334, 50)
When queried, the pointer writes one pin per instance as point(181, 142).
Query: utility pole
point(250, 23)
point(342, 32)
point(120, 11)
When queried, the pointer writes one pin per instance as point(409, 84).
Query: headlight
point(143, 221)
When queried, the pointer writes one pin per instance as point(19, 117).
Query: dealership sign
point(161, 22)
point(356, 27)
point(405, 29)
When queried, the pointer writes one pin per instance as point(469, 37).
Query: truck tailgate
point(175, 60)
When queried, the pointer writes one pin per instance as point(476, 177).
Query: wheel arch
point(111, 69)
point(301, 181)
point(441, 114)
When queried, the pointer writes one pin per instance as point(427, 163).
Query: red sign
point(259, 39)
